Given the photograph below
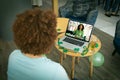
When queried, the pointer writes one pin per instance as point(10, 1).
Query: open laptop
point(71, 41)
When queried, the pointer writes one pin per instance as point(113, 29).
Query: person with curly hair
point(34, 34)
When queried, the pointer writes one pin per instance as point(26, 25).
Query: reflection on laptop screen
point(79, 30)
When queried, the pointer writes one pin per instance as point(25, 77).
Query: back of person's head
point(35, 31)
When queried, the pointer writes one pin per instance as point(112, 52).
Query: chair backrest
point(116, 39)
point(117, 31)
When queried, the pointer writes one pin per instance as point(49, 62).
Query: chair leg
point(114, 52)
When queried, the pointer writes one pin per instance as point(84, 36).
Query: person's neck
point(32, 56)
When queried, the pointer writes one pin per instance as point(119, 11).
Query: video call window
point(79, 30)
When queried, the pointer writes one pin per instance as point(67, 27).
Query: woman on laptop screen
point(80, 31)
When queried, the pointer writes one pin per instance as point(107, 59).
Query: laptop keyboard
point(72, 41)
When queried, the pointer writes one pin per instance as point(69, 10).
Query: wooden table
point(61, 26)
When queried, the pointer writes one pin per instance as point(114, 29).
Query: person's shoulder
point(49, 61)
point(15, 53)
point(53, 63)
point(56, 65)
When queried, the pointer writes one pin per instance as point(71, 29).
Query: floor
point(104, 23)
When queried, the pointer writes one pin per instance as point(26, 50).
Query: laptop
point(77, 36)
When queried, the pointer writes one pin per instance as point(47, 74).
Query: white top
point(21, 67)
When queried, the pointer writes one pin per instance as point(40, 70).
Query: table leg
point(61, 58)
point(73, 67)
point(78, 59)
point(64, 56)
point(91, 66)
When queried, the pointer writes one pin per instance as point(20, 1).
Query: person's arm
point(74, 32)
point(82, 34)
point(93, 12)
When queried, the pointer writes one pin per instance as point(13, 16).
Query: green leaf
point(58, 29)
point(58, 39)
point(60, 43)
point(65, 50)
point(96, 45)
point(84, 47)
point(84, 52)
point(61, 47)
point(76, 50)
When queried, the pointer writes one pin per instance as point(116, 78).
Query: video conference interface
point(72, 30)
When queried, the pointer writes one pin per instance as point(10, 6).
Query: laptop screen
point(81, 31)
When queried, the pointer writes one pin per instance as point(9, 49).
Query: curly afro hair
point(35, 31)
